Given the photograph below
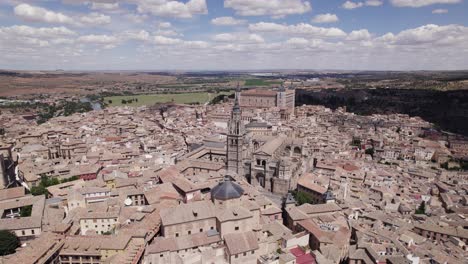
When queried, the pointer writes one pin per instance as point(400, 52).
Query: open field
point(150, 99)
point(260, 82)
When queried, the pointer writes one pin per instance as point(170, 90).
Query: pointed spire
point(328, 195)
point(236, 101)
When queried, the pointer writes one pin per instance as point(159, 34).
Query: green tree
point(301, 197)
point(52, 181)
point(422, 208)
point(9, 242)
point(38, 190)
point(110, 101)
point(370, 151)
point(43, 184)
point(73, 178)
point(26, 211)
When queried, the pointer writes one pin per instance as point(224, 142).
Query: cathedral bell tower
point(235, 138)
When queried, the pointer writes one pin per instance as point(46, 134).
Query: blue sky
point(233, 34)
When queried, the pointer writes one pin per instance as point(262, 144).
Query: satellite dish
point(128, 202)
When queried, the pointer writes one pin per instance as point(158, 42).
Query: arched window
point(297, 150)
point(256, 145)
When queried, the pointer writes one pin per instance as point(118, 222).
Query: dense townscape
point(251, 179)
point(233, 132)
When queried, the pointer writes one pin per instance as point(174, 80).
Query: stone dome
point(226, 190)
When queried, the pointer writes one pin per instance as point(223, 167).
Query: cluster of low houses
point(134, 188)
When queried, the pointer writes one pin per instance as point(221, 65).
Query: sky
point(234, 34)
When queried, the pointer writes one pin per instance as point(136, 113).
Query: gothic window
point(256, 145)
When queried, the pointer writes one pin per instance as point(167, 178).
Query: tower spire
point(281, 89)
point(235, 137)
point(328, 196)
point(237, 95)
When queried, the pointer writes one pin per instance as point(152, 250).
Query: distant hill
point(447, 109)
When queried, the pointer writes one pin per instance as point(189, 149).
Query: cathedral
point(254, 151)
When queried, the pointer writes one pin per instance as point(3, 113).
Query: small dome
point(227, 190)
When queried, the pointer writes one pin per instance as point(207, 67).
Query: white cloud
point(429, 35)
point(227, 21)
point(25, 41)
point(266, 45)
point(164, 24)
point(169, 8)
point(196, 44)
point(420, 3)
point(325, 18)
point(109, 7)
point(43, 32)
point(161, 40)
point(165, 29)
point(354, 5)
point(167, 32)
point(239, 38)
point(224, 37)
point(433, 34)
point(141, 35)
point(302, 29)
point(95, 19)
point(39, 14)
point(274, 8)
point(62, 41)
point(268, 27)
point(439, 11)
point(374, 3)
point(135, 18)
point(98, 39)
point(358, 35)
point(309, 44)
point(297, 41)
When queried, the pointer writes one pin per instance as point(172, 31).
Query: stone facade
point(260, 98)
